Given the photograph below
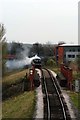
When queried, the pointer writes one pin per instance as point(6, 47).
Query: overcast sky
point(42, 21)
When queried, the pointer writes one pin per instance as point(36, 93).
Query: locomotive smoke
point(15, 64)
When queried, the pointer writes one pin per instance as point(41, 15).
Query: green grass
point(12, 72)
point(14, 77)
point(76, 75)
point(75, 97)
point(21, 106)
point(54, 68)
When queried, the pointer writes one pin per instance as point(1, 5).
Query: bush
point(51, 62)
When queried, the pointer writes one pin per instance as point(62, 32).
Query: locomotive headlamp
point(31, 72)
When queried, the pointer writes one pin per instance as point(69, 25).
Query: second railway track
point(55, 107)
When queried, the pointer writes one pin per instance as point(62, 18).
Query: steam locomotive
point(36, 63)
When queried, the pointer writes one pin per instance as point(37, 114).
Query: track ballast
point(55, 107)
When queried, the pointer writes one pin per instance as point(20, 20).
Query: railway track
point(55, 107)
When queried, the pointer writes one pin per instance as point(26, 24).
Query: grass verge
point(10, 79)
point(21, 106)
point(54, 68)
point(75, 97)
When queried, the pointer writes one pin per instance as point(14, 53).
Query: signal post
point(31, 77)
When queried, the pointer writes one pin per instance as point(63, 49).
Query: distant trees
point(36, 49)
point(17, 50)
point(48, 50)
point(51, 62)
point(2, 32)
point(41, 50)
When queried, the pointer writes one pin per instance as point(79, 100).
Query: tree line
point(42, 50)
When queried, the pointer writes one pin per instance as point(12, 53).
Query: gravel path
point(72, 110)
point(39, 102)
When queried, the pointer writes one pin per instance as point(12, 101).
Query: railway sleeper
point(45, 116)
point(54, 104)
point(56, 108)
point(45, 110)
point(50, 91)
point(54, 100)
point(57, 117)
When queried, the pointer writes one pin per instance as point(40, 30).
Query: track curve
point(54, 104)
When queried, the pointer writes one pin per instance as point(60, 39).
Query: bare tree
point(3, 47)
point(2, 32)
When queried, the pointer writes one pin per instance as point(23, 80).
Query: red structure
point(9, 56)
point(31, 77)
point(67, 72)
point(65, 53)
point(60, 55)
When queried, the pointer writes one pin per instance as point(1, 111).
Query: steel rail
point(64, 113)
point(61, 102)
point(48, 102)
